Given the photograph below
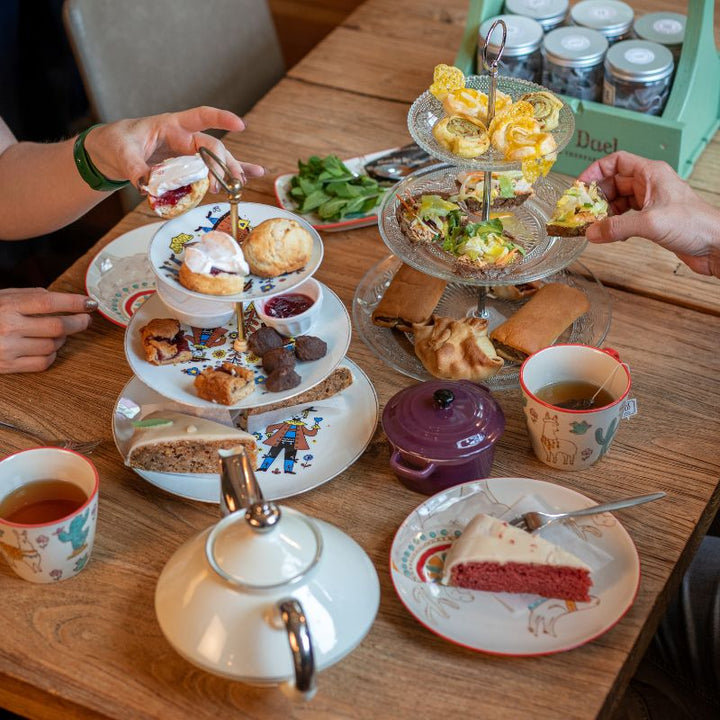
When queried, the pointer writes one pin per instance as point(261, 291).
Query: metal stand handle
point(233, 187)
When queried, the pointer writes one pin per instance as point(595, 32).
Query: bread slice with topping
point(578, 207)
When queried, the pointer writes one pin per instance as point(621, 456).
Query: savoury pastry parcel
point(539, 323)
point(456, 349)
point(410, 298)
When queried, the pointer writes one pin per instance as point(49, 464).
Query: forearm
point(41, 189)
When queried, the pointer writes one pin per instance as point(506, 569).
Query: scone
point(456, 349)
point(215, 265)
point(164, 342)
point(177, 185)
point(277, 246)
point(226, 384)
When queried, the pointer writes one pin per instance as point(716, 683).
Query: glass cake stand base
point(396, 349)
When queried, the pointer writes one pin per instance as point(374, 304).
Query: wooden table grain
point(91, 647)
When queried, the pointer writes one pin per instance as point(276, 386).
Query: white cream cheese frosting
point(487, 539)
point(183, 427)
point(216, 249)
point(176, 172)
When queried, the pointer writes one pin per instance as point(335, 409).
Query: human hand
point(31, 331)
point(127, 148)
point(650, 200)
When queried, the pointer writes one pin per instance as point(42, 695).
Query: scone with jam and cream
point(579, 207)
point(215, 265)
point(177, 185)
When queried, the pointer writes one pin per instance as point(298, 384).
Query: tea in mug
point(574, 395)
point(42, 501)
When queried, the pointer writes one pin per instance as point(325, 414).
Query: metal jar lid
point(524, 35)
point(666, 28)
point(639, 61)
point(610, 17)
point(575, 47)
point(549, 13)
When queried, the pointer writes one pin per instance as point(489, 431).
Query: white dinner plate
point(119, 277)
point(357, 220)
point(167, 247)
point(213, 346)
point(346, 425)
point(503, 623)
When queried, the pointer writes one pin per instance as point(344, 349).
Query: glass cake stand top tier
point(428, 110)
point(544, 255)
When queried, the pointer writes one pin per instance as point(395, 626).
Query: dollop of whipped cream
point(216, 249)
point(176, 172)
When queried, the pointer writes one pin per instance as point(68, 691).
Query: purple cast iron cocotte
point(442, 433)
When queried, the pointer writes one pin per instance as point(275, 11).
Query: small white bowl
point(194, 311)
point(296, 324)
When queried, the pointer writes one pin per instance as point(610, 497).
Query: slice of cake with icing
point(494, 556)
point(172, 442)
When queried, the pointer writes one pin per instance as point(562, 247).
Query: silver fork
point(82, 446)
point(531, 521)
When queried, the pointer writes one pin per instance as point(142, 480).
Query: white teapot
point(267, 596)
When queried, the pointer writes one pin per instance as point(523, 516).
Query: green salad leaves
point(328, 187)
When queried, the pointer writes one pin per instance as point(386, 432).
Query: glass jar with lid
point(573, 62)
point(521, 57)
point(638, 75)
point(549, 13)
point(612, 18)
point(665, 28)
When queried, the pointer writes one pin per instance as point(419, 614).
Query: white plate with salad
point(339, 213)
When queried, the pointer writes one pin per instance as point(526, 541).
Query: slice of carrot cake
point(172, 442)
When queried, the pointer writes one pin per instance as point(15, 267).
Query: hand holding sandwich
point(650, 200)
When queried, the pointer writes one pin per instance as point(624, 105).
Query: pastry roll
point(456, 349)
point(539, 323)
point(410, 298)
point(515, 292)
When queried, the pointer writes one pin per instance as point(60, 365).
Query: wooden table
point(91, 647)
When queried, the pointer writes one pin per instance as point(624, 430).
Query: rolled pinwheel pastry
point(546, 108)
point(177, 185)
point(462, 135)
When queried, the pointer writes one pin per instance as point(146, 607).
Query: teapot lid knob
point(262, 516)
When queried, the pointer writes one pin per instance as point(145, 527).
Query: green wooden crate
point(678, 136)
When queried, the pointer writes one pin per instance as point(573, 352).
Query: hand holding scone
point(277, 246)
point(125, 150)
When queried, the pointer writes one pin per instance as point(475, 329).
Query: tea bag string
point(606, 381)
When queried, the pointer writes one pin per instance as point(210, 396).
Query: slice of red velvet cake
point(492, 555)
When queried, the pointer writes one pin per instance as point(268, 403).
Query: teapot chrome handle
point(239, 489)
point(293, 617)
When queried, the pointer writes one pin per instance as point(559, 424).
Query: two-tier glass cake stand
point(470, 291)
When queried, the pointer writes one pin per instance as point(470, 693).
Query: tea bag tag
point(629, 408)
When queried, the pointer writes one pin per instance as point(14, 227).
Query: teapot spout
point(239, 487)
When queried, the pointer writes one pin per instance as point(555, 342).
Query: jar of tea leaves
point(573, 62)
point(549, 13)
point(612, 18)
point(638, 75)
point(521, 57)
point(665, 28)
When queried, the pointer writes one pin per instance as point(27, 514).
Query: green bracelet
point(88, 172)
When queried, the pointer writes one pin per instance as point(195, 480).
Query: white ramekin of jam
point(292, 312)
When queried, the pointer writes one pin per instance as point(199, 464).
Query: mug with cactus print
point(574, 397)
point(48, 512)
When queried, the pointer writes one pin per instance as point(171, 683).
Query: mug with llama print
point(574, 397)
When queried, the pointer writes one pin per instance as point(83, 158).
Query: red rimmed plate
point(501, 623)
